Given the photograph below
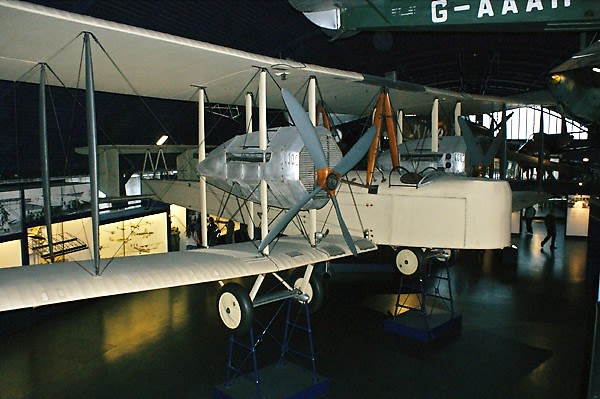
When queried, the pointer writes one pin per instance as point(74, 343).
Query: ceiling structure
point(491, 63)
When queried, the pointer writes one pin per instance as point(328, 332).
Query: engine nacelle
point(238, 165)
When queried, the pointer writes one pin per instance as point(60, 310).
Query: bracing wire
point(128, 82)
point(77, 102)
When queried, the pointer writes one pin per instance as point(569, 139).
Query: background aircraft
point(343, 16)
point(576, 84)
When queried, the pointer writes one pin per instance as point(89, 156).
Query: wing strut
point(44, 156)
point(312, 114)
point(383, 111)
point(262, 128)
point(201, 156)
point(90, 107)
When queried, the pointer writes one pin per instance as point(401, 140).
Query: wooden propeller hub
point(328, 179)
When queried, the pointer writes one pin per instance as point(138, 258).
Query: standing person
point(529, 215)
point(213, 232)
point(191, 237)
point(198, 229)
point(550, 223)
point(230, 238)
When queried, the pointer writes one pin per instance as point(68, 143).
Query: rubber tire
point(315, 290)
point(409, 260)
point(235, 308)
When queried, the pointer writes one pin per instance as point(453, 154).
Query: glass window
point(526, 121)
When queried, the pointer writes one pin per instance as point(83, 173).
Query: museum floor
point(525, 334)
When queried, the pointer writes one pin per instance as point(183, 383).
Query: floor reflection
point(523, 335)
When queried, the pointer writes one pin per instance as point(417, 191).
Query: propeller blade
point(286, 219)
point(343, 227)
point(305, 128)
point(356, 153)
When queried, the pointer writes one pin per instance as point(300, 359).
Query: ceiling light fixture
point(162, 139)
point(596, 69)
point(556, 78)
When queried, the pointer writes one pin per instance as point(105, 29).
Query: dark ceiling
point(484, 63)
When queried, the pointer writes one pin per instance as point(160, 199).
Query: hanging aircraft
point(483, 146)
point(561, 153)
point(576, 84)
point(342, 16)
point(449, 206)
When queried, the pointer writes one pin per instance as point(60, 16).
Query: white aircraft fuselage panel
point(451, 211)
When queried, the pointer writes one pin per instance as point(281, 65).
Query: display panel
point(65, 200)
point(70, 242)
point(11, 253)
point(10, 213)
point(138, 236)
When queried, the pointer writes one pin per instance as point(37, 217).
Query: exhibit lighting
point(556, 78)
point(596, 69)
point(585, 159)
point(162, 139)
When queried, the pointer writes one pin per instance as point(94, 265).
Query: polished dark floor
point(525, 334)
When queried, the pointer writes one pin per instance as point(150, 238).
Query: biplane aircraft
point(171, 67)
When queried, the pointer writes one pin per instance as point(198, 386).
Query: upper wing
point(170, 67)
point(31, 286)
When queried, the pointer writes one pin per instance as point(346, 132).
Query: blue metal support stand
point(433, 316)
point(284, 378)
point(296, 325)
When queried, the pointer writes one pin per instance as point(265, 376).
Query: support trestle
point(293, 372)
point(425, 306)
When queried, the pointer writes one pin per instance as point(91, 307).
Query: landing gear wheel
point(409, 260)
point(235, 308)
point(314, 290)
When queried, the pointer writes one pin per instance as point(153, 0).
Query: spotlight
point(162, 139)
point(556, 79)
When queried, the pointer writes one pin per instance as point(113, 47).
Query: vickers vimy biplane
point(24, 287)
point(438, 212)
point(247, 165)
